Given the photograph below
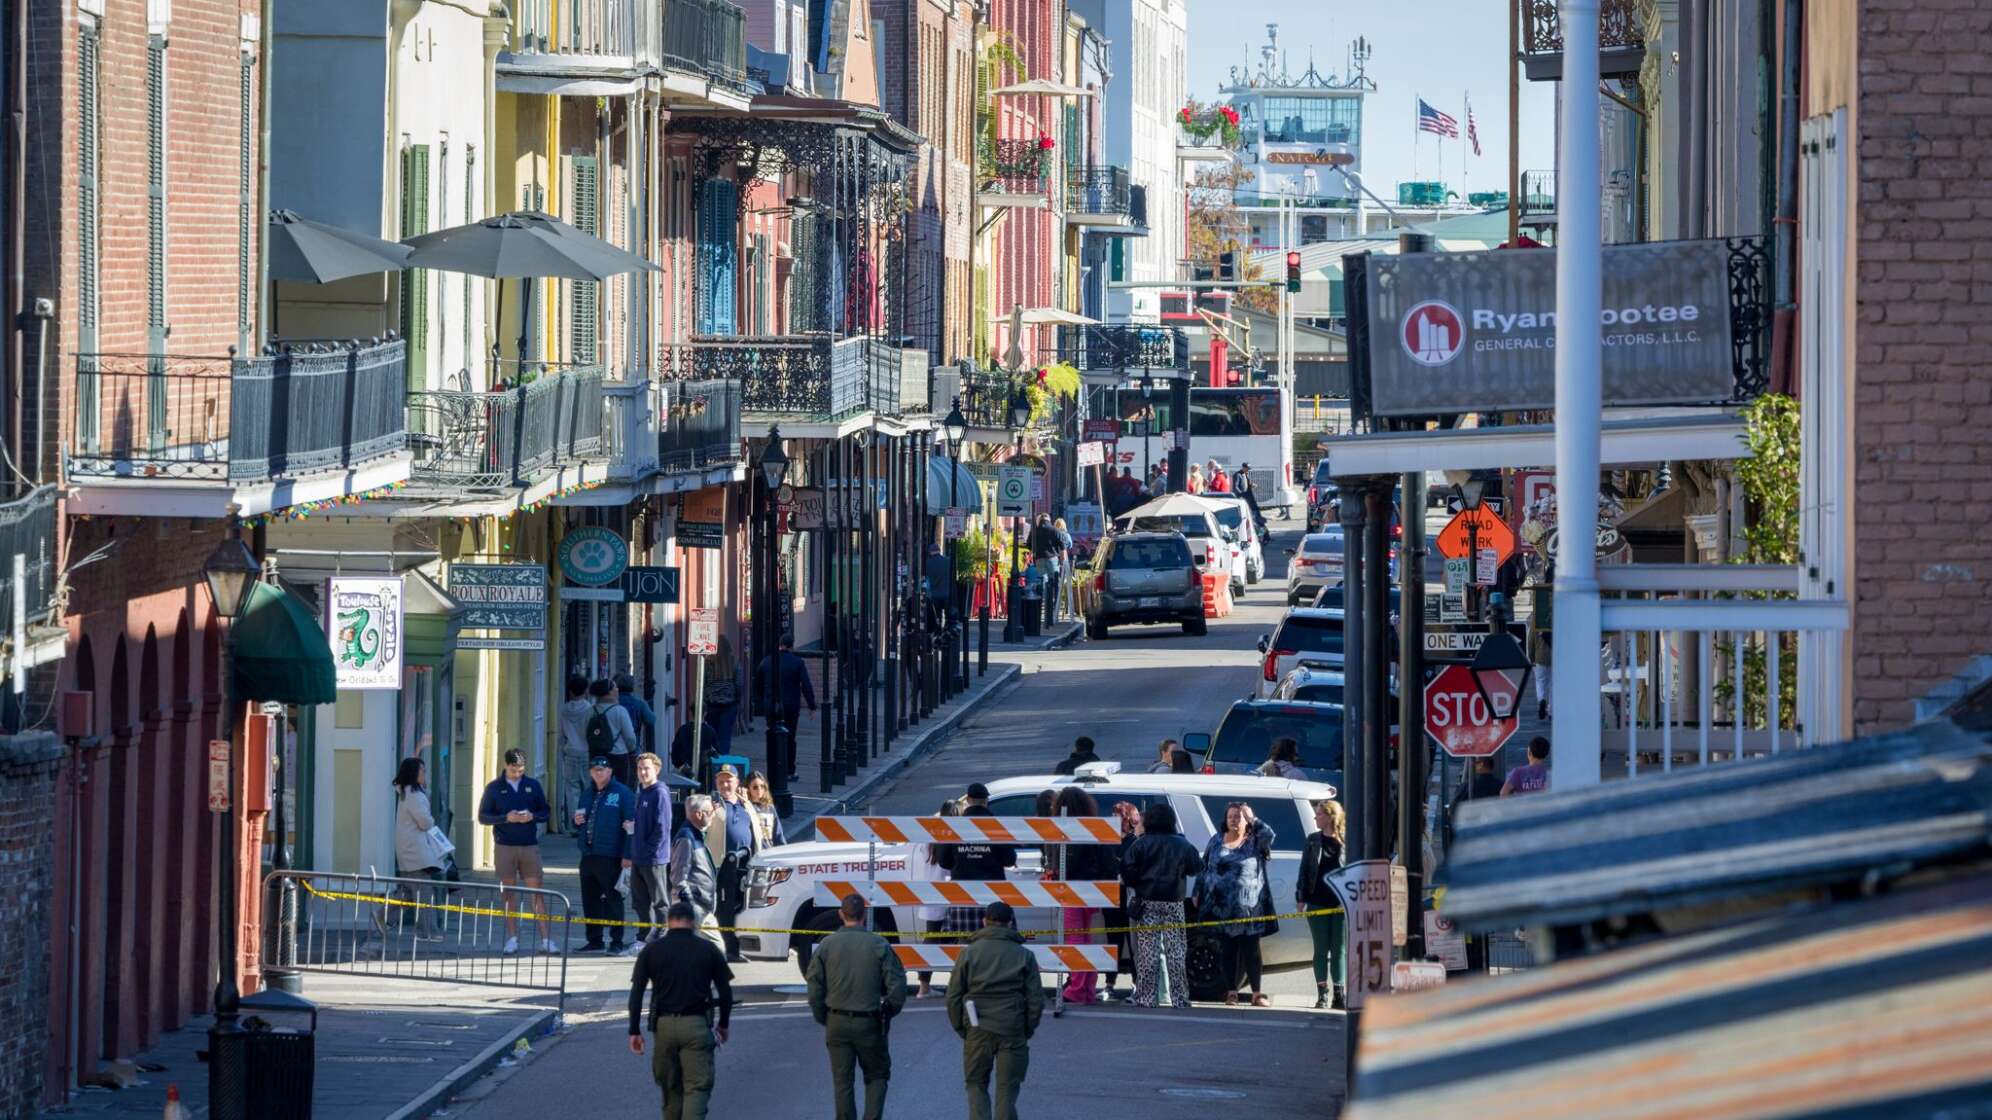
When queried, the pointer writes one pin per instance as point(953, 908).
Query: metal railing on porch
point(27, 529)
point(810, 374)
point(279, 415)
point(1105, 191)
point(703, 36)
point(700, 426)
point(417, 929)
point(1122, 348)
point(507, 436)
point(1702, 664)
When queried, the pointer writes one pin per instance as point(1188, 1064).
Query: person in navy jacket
point(515, 807)
point(649, 855)
point(598, 823)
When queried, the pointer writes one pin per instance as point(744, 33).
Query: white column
point(1574, 761)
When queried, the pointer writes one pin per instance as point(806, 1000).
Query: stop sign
point(1457, 717)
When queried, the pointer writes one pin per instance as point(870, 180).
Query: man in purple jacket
point(649, 859)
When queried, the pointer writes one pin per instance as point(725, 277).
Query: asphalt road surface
point(1101, 1063)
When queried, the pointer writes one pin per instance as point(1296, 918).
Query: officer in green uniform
point(995, 1000)
point(856, 986)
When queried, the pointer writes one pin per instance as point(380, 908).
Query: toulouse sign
point(1476, 332)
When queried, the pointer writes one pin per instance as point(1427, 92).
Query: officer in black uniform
point(688, 976)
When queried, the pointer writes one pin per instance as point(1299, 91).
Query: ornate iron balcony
point(1124, 348)
point(808, 375)
point(1014, 167)
point(313, 408)
point(701, 36)
point(506, 437)
point(700, 426)
point(1538, 192)
point(1105, 191)
point(1621, 44)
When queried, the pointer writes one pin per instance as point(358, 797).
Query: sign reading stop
point(1458, 719)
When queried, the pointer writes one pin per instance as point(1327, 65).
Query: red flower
point(1184, 113)
point(1044, 143)
point(1230, 114)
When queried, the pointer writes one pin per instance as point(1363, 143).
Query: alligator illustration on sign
point(354, 630)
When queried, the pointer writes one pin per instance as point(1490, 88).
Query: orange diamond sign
point(1477, 528)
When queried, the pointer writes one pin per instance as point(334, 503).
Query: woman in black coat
point(1154, 864)
point(1321, 858)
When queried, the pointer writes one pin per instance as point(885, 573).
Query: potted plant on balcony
point(1201, 122)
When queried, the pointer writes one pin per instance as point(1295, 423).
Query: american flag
point(1472, 133)
point(1431, 120)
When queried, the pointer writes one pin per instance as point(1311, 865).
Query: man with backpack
point(610, 733)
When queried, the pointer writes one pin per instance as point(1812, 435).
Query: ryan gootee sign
point(1465, 332)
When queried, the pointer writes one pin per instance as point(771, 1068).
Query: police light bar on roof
point(1097, 770)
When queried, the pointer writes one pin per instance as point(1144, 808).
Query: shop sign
point(1476, 332)
point(702, 518)
point(1102, 430)
point(500, 596)
point(363, 620)
point(807, 513)
point(593, 556)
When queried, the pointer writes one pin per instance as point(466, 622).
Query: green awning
point(280, 651)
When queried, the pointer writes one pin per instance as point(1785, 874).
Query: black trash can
point(281, 1031)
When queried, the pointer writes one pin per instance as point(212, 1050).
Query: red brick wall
point(1922, 448)
point(28, 768)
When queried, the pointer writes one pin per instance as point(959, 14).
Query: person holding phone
point(514, 806)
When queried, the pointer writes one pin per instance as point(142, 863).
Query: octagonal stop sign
point(1458, 718)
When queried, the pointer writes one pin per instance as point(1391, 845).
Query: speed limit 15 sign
point(1364, 888)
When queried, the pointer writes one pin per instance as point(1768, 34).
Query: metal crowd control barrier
point(419, 929)
point(1060, 895)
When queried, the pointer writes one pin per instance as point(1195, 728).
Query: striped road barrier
point(1097, 895)
point(970, 830)
point(1050, 958)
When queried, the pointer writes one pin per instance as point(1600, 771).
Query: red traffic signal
point(1293, 270)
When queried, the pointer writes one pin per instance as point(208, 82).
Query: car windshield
point(1248, 732)
point(1190, 525)
point(1318, 693)
point(1321, 475)
point(1310, 633)
point(1279, 813)
point(1229, 516)
point(1168, 552)
point(1322, 544)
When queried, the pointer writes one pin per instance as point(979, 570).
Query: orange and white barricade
point(1050, 958)
point(1020, 893)
point(969, 830)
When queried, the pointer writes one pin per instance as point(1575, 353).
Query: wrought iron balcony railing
point(506, 437)
point(1123, 347)
point(706, 36)
point(700, 426)
point(280, 415)
point(1014, 167)
point(1621, 43)
point(1538, 192)
point(1104, 191)
point(1137, 205)
point(27, 528)
point(810, 375)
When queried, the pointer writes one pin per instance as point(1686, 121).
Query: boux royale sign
point(1476, 332)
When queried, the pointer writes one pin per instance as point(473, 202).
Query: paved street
point(1103, 1063)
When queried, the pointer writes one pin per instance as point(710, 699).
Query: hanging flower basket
point(1200, 123)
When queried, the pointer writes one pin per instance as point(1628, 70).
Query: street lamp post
point(1013, 626)
point(231, 573)
point(772, 468)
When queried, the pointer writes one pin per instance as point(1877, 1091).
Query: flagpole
point(1514, 123)
point(1417, 99)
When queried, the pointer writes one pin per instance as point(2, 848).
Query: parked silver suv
point(1143, 577)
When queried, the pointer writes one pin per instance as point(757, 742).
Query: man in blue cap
point(605, 807)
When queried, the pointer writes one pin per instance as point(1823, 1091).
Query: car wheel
point(1097, 630)
point(1205, 966)
point(824, 922)
point(1196, 627)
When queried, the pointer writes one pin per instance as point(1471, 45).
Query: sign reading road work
point(1457, 716)
point(1476, 332)
point(1364, 888)
point(1473, 529)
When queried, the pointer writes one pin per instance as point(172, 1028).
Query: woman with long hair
point(761, 806)
point(1236, 888)
point(419, 847)
point(1321, 858)
point(1283, 761)
point(926, 867)
point(1154, 863)
point(1083, 863)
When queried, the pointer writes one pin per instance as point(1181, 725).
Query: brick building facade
point(931, 93)
point(29, 769)
point(1898, 411)
point(144, 239)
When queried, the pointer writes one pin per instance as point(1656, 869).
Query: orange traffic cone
point(174, 1110)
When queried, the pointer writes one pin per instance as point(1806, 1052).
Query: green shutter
point(88, 248)
point(584, 327)
point(415, 281)
point(469, 209)
point(155, 193)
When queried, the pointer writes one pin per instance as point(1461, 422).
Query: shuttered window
point(245, 146)
point(469, 210)
point(89, 54)
point(585, 208)
point(415, 281)
point(717, 256)
point(155, 193)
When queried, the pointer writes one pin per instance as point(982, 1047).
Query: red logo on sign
point(1458, 717)
point(1434, 334)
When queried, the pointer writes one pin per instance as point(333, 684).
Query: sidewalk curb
point(930, 737)
point(439, 1094)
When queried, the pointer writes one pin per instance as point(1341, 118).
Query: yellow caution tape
point(487, 911)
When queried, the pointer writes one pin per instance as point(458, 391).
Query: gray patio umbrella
point(522, 246)
point(315, 253)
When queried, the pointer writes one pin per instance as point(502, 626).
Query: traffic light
point(1227, 265)
point(1293, 271)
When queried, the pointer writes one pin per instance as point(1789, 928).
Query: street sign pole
point(1411, 749)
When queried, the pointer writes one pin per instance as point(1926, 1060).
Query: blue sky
point(1440, 49)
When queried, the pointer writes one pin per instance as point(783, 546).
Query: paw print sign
point(593, 556)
